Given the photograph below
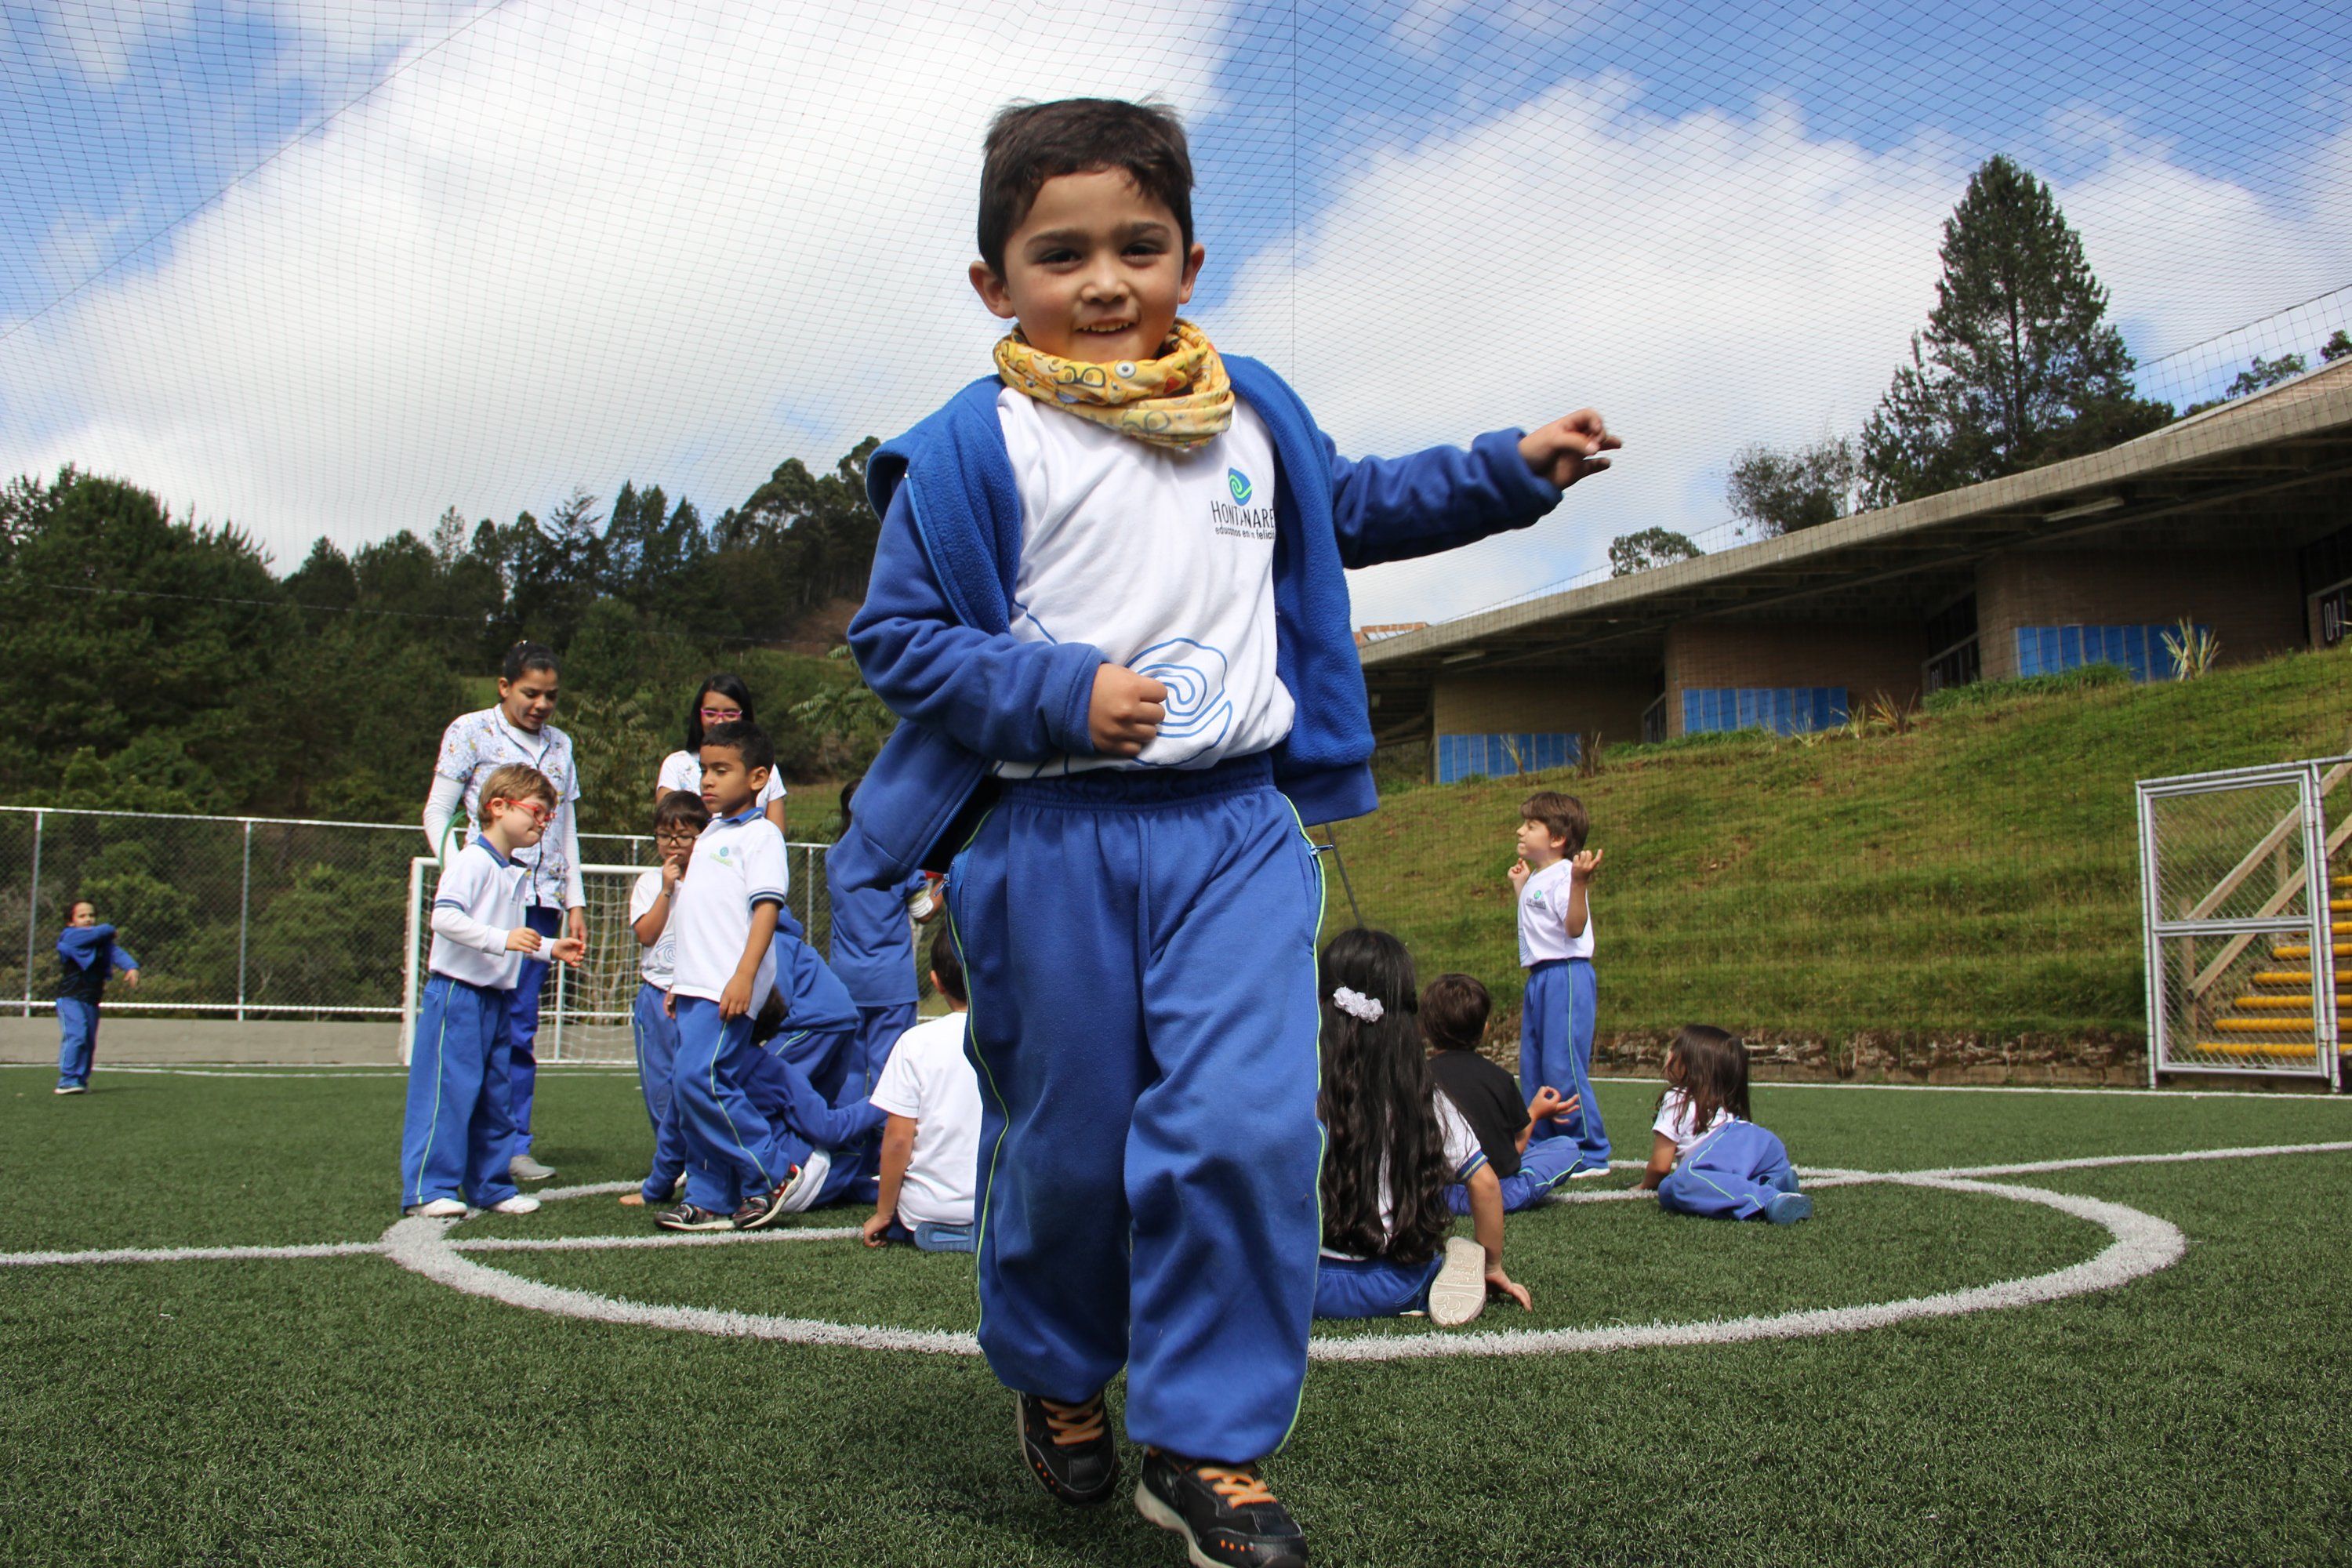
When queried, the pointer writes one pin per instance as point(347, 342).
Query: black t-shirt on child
point(1488, 1100)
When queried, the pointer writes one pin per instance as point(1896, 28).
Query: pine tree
point(2019, 365)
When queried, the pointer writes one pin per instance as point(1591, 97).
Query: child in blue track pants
point(678, 819)
point(1552, 879)
point(1453, 1012)
point(1396, 1141)
point(87, 955)
point(457, 1133)
point(873, 951)
point(724, 968)
point(1109, 595)
point(1707, 1158)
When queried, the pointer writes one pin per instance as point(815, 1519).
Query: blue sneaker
point(1787, 1208)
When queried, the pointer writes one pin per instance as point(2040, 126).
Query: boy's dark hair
point(947, 968)
point(1710, 1065)
point(528, 655)
point(1453, 1009)
point(1561, 815)
point(681, 808)
point(1380, 1123)
point(727, 685)
point(1030, 143)
point(747, 741)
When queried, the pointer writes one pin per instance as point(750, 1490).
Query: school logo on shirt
point(1241, 520)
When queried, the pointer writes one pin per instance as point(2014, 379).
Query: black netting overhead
point(332, 268)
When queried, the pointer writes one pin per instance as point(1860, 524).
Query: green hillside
point(1970, 885)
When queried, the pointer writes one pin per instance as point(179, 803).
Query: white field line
point(191, 1254)
point(2282, 1096)
point(420, 1246)
point(2101, 1162)
point(622, 1243)
point(317, 1069)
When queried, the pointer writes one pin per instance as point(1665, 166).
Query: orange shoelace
point(1238, 1487)
point(1074, 1424)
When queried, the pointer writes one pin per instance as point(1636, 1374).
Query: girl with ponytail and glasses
point(1393, 1143)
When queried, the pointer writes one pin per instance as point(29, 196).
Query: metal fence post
point(244, 918)
point(33, 913)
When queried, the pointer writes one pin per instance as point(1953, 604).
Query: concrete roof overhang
point(2269, 471)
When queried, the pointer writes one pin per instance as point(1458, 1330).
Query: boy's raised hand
point(1518, 874)
point(1123, 716)
point(1570, 447)
point(1587, 862)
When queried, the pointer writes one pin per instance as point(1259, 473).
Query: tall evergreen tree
point(2019, 365)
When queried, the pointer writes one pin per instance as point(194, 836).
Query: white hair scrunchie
point(1357, 1005)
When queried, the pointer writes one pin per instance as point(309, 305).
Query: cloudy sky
point(325, 269)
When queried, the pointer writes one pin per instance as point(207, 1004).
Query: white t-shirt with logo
point(660, 963)
point(1462, 1158)
point(1673, 1119)
point(1543, 917)
point(683, 770)
point(738, 861)
point(1161, 560)
point(929, 1078)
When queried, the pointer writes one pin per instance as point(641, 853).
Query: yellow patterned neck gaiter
point(1181, 400)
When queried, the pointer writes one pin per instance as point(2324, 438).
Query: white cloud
point(574, 245)
point(1704, 281)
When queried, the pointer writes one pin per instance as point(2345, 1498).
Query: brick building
point(2238, 521)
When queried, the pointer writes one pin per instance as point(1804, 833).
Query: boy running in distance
point(1109, 602)
point(86, 955)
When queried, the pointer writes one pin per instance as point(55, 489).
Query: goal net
point(583, 1013)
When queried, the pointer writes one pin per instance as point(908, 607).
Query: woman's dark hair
point(947, 968)
point(1453, 1009)
point(681, 808)
point(731, 686)
point(528, 655)
point(1376, 1109)
point(1030, 143)
point(1709, 1067)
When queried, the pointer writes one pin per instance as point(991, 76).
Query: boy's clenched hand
point(1518, 874)
point(1124, 714)
point(1570, 447)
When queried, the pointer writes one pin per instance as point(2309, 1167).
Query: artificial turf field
point(345, 1408)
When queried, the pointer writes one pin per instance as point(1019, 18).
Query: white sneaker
point(523, 1168)
point(438, 1208)
point(521, 1203)
point(72, 1089)
point(802, 1193)
point(1459, 1292)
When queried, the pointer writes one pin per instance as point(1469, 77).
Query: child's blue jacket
point(91, 954)
point(934, 639)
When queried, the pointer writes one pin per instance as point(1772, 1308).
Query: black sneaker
point(768, 1208)
point(1069, 1448)
point(1224, 1513)
point(686, 1216)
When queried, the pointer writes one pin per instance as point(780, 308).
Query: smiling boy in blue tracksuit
point(86, 955)
point(1109, 603)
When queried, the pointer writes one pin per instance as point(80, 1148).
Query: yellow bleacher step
point(2295, 1025)
point(2303, 949)
point(2285, 1004)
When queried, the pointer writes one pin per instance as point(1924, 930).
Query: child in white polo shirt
point(460, 1121)
point(678, 820)
point(1553, 880)
point(930, 1146)
point(723, 971)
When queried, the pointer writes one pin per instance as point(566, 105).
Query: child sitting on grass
point(931, 1147)
point(1705, 1157)
point(1394, 1141)
point(1453, 1009)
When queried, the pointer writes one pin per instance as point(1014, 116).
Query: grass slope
point(293, 1412)
point(1976, 875)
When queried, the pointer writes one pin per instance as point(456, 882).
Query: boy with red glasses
point(459, 1129)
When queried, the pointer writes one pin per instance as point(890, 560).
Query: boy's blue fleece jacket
point(934, 639)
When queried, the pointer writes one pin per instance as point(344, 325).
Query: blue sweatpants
point(1141, 951)
point(1373, 1287)
point(733, 1151)
point(655, 1034)
point(523, 1024)
point(458, 1133)
point(77, 1041)
point(1556, 1049)
point(802, 1120)
point(878, 1029)
point(1543, 1166)
point(1730, 1173)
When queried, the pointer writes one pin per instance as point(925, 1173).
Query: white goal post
point(584, 1013)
